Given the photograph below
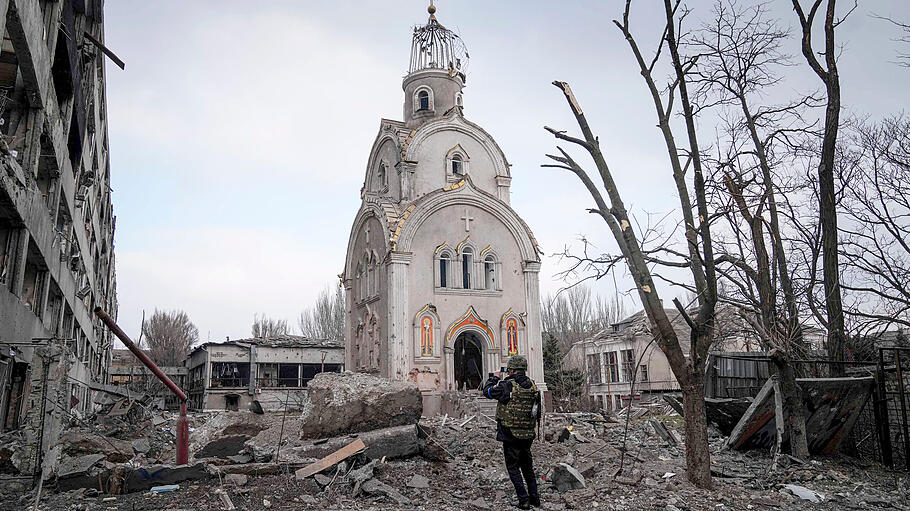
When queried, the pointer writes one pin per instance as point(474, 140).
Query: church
point(441, 274)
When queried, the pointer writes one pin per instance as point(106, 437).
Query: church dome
point(436, 47)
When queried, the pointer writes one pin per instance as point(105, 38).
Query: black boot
point(534, 500)
point(524, 503)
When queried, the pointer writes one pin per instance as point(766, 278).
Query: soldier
point(517, 415)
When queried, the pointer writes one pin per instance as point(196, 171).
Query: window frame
point(457, 152)
point(418, 106)
point(490, 264)
point(444, 276)
point(466, 256)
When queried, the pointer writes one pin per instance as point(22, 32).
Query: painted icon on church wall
point(426, 337)
point(512, 336)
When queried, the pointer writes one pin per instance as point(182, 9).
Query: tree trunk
point(794, 418)
point(698, 455)
point(827, 200)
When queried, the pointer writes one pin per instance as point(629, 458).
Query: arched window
point(467, 263)
point(457, 165)
point(423, 100)
point(372, 288)
point(358, 295)
point(489, 273)
point(383, 176)
point(458, 100)
point(364, 281)
point(445, 266)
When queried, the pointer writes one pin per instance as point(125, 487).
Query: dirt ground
point(472, 477)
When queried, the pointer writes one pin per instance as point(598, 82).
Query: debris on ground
point(632, 460)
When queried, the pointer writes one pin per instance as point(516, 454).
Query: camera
point(502, 371)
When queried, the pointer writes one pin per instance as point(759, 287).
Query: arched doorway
point(468, 361)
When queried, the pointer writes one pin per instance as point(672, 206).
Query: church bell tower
point(436, 74)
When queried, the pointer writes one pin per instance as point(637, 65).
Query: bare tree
point(699, 256)
point(827, 201)
point(264, 326)
point(740, 54)
point(170, 336)
point(903, 57)
point(875, 245)
point(607, 311)
point(325, 319)
point(574, 314)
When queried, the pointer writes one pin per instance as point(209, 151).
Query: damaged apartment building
point(273, 371)
point(56, 222)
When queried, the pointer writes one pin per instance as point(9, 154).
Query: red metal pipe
point(183, 434)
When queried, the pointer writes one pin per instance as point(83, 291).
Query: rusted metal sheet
point(831, 405)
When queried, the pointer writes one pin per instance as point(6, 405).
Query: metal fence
point(892, 406)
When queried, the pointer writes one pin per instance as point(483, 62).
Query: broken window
point(268, 375)
point(54, 306)
point(457, 165)
point(13, 396)
point(196, 377)
point(612, 366)
point(61, 71)
point(288, 375)
point(628, 363)
point(9, 244)
point(372, 287)
point(643, 372)
point(48, 173)
point(311, 370)
point(489, 273)
point(383, 176)
point(594, 371)
point(66, 328)
point(35, 280)
point(231, 402)
point(230, 374)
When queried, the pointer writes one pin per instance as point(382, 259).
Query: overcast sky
point(240, 131)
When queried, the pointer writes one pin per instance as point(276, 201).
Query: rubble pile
point(633, 460)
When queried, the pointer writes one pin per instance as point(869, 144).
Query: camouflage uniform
point(516, 426)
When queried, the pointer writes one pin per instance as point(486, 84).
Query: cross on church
point(467, 220)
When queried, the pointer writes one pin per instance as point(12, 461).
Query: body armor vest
point(517, 413)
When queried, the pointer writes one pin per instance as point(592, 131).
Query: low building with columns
point(441, 274)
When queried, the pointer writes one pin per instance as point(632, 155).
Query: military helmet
point(518, 362)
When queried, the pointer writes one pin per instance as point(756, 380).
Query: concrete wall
point(368, 330)
point(452, 303)
point(55, 194)
point(388, 153)
point(432, 172)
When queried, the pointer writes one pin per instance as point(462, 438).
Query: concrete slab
point(143, 478)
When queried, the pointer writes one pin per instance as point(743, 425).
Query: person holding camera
point(517, 415)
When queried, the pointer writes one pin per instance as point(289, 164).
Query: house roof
point(277, 341)
point(730, 327)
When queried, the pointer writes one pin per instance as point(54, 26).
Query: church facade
point(441, 274)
